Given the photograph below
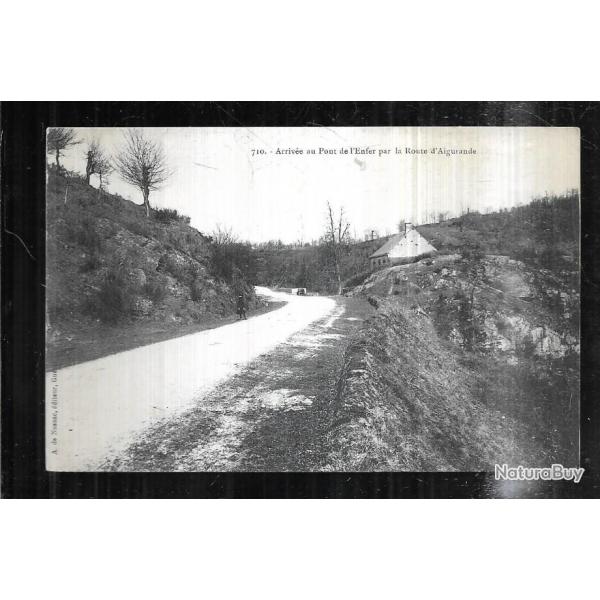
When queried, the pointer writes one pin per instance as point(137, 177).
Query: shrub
point(177, 269)
point(196, 291)
point(169, 215)
point(185, 271)
point(115, 299)
point(443, 315)
point(140, 228)
point(180, 240)
point(470, 323)
point(234, 260)
point(199, 250)
point(156, 289)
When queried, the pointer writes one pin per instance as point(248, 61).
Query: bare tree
point(91, 155)
point(222, 235)
point(99, 163)
point(142, 163)
point(336, 236)
point(103, 168)
point(58, 140)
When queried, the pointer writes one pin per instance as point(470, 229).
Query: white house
point(400, 248)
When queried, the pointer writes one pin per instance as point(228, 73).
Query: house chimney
point(407, 227)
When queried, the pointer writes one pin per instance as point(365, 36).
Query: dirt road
point(272, 415)
point(97, 408)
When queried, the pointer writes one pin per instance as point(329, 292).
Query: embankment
point(426, 385)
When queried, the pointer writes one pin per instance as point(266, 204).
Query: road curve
point(94, 409)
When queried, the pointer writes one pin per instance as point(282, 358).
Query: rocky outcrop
point(516, 308)
point(464, 365)
point(108, 262)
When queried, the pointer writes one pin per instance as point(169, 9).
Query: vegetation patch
point(110, 264)
point(455, 373)
point(169, 215)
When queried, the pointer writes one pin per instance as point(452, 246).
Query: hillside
point(117, 279)
point(473, 356)
point(544, 232)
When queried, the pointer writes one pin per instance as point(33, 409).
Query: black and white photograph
point(299, 301)
point(313, 299)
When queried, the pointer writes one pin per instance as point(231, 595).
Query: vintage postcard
point(313, 299)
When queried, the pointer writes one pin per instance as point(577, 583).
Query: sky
point(246, 179)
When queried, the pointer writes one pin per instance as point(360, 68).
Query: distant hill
point(544, 232)
point(113, 273)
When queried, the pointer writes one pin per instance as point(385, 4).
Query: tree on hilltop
point(92, 155)
point(58, 140)
point(142, 163)
point(103, 169)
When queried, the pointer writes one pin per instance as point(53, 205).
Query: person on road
point(241, 307)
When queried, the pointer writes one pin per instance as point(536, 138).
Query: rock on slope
point(467, 364)
point(109, 264)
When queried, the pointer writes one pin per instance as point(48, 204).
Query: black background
point(23, 320)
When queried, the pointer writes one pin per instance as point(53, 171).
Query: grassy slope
point(116, 279)
point(410, 400)
point(406, 402)
point(525, 232)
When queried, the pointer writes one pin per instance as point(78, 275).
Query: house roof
point(385, 249)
